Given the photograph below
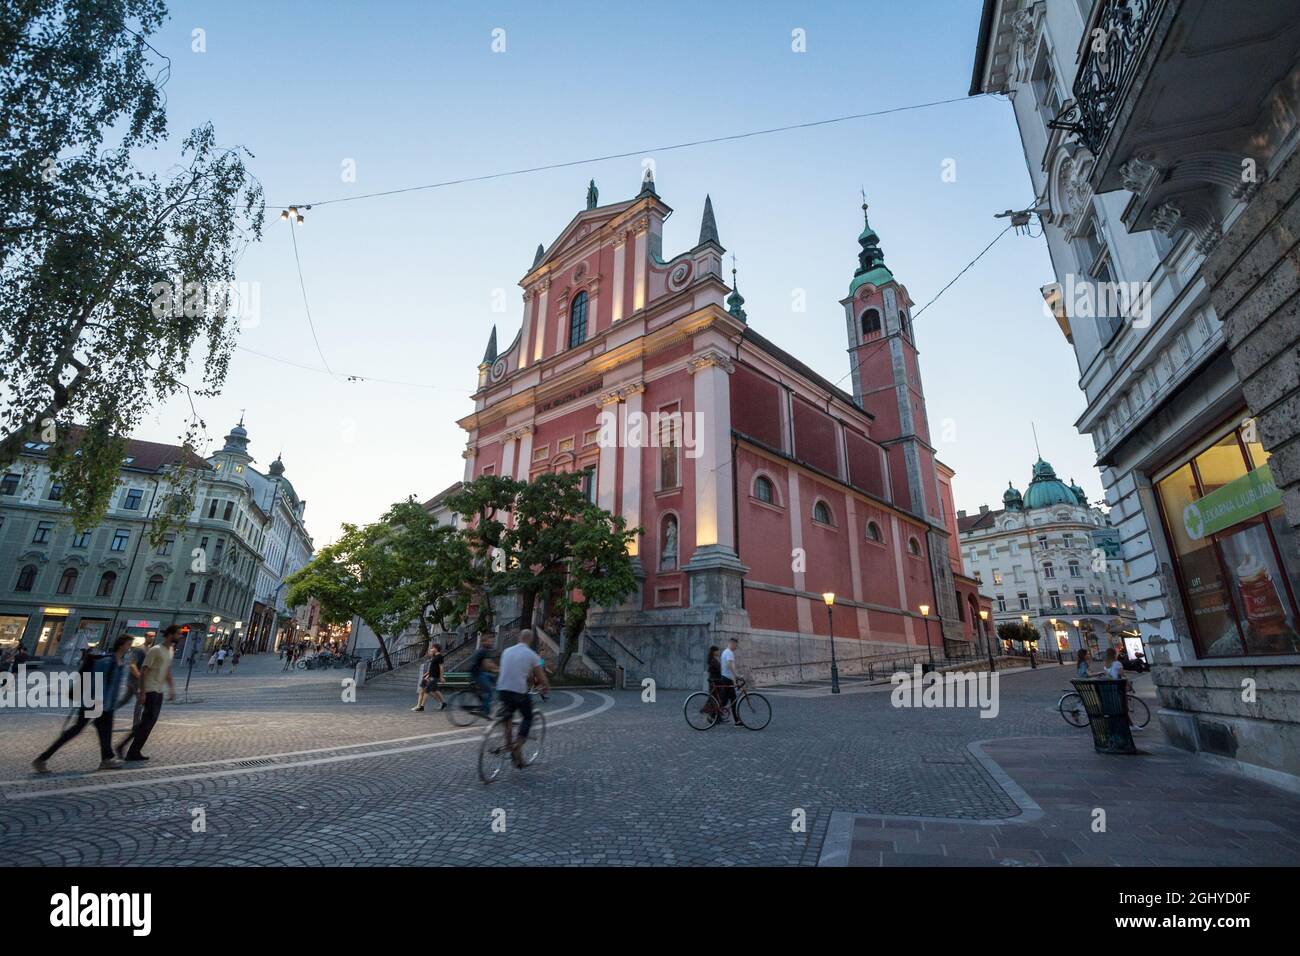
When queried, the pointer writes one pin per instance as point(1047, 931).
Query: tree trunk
point(529, 601)
point(383, 646)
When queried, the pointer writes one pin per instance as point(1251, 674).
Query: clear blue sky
point(403, 287)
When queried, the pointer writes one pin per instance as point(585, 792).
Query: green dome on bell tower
point(871, 261)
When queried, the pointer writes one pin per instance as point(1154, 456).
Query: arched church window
point(668, 544)
point(578, 320)
point(870, 322)
point(873, 531)
point(822, 513)
point(905, 323)
point(913, 547)
point(763, 490)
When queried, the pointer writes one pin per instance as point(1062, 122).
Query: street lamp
point(988, 642)
point(925, 613)
point(829, 598)
point(1024, 620)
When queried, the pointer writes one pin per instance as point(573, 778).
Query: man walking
point(431, 679)
point(155, 673)
point(112, 671)
point(135, 669)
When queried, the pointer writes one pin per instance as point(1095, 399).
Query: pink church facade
point(759, 484)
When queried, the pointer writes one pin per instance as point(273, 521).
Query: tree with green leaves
point(354, 576)
point(563, 547)
point(112, 278)
point(482, 506)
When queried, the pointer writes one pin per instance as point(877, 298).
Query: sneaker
point(120, 750)
point(417, 710)
point(40, 766)
point(136, 759)
point(112, 763)
point(443, 705)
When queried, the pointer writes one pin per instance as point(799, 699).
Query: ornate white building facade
point(1159, 136)
point(1047, 559)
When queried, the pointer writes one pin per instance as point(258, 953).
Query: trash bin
point(1106, 702)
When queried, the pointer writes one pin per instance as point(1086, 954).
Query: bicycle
point(494, 755)
point(466, 706)
point(703, 709)
point(1076, 715)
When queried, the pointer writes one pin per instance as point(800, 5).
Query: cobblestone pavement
point(286, 773)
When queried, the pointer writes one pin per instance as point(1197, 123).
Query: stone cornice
point(708, 359)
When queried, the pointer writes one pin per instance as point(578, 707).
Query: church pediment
point(579, 230)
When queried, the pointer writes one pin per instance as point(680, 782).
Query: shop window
point(1235, 557)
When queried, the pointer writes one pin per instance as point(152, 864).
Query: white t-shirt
point(729, 664)
point(1115, 670)
point(517, 662)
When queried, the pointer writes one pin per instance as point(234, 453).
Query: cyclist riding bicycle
point(520, 666)
point(481, 668)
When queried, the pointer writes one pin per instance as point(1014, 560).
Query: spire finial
point(490, 355)
point(241, 416)
point(736, 301)
point(1036, 448)
point(864, 204)
point(708, 225)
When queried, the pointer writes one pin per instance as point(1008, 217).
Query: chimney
point(984, 509)
point(961, 514)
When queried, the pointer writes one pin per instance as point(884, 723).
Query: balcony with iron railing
point(1176, 101)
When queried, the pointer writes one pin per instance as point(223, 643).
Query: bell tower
point(887, 383)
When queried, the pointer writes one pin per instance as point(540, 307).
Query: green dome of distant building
point(1046, 489)
point(1011, 499)
point(1079, 493)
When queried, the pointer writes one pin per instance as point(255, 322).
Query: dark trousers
point(144, 726)
point(512, 701)
point(727, 695)
point(103, 727)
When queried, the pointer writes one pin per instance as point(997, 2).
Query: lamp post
point(925, 613)
point(988, 642)
point(1078, 630)
point(829, 598)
